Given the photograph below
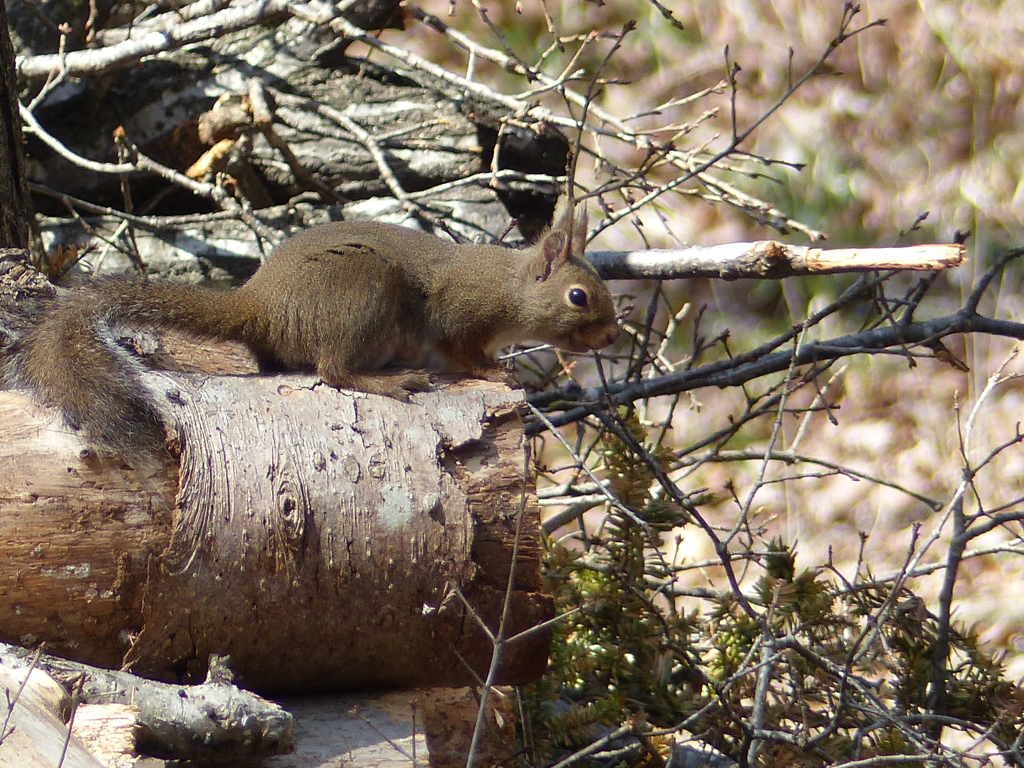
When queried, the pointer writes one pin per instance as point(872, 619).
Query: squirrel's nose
point(613, 334)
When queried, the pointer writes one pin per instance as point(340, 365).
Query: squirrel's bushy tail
point(71, 360)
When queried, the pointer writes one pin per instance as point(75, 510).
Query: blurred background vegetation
point(922, 115)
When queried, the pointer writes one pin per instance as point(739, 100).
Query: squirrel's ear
point(577, 227)
point(566, 239)
point(551, 253)
point(572, 221)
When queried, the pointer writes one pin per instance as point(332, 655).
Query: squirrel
point(367, 306)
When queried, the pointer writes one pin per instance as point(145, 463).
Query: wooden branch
point(119, 716)
point(315, 537)
point(158, 41)
point(768, 259)
point(214, 719)
point(737, 371)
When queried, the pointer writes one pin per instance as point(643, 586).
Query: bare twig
point(97, 60)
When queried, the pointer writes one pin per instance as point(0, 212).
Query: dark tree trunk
point(13, 188)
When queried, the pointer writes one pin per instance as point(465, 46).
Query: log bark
point(317, 537)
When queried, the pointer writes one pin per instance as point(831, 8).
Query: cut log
point(319, 538)
point(34, 733)
point(108, 731)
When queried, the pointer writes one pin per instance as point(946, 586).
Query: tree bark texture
point(13, 187)
point(320, 538)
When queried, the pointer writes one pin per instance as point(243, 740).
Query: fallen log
point(322, 539)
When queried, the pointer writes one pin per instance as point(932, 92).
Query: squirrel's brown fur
point(347, 300)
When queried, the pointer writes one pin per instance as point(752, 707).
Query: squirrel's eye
point(577, 297)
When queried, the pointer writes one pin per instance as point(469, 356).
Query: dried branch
point(140, 163)
point(215, 719)
point(174, 36)
point(768, 259)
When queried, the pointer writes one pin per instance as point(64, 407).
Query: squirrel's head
point(571, 307)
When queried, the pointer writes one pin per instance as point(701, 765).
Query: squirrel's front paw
point(497, 374)
point(396, 385)
point(412, 381)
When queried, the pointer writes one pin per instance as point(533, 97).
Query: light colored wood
point(72, 530)
point(35, 734)
point(108, 732)
point(916, 257)
point(769, 259)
